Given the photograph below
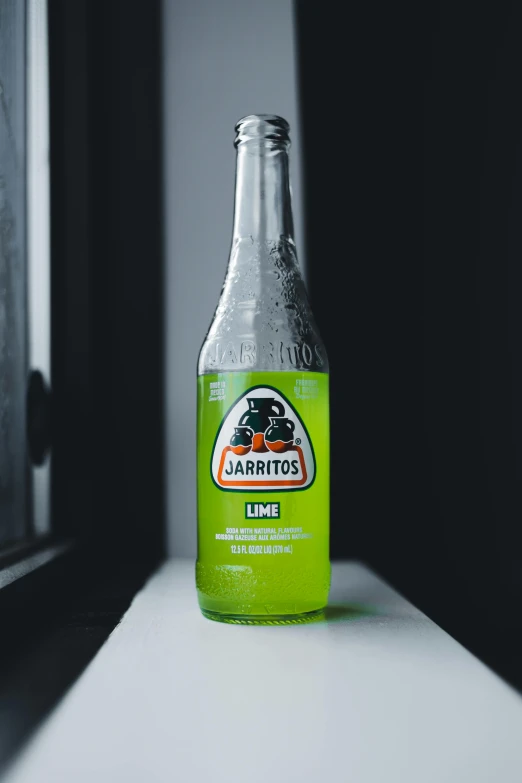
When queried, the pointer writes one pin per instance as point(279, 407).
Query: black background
point(412, 139)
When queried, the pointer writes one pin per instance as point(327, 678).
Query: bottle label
point(263, 466)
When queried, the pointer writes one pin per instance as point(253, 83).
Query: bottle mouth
point(261, 127)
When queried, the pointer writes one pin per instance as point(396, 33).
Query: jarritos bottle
point(263, 412)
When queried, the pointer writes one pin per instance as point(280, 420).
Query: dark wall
point(361, 89)
point(412, 153)
point(107, 274)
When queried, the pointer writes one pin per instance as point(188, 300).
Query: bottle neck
point(263, 207)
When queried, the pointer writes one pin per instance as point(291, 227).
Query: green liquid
point(276, 577)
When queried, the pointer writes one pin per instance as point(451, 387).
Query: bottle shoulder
point(263, 320)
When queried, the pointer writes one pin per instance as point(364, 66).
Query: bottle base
point(263, 595)
point(267, 619)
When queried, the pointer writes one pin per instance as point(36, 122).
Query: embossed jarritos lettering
point(262, 445)
point(276, 353)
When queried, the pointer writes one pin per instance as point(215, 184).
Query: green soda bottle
point(263, 411)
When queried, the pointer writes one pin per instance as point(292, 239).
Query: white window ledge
point(378, 694)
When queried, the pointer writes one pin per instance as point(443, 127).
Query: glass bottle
point(263, 411)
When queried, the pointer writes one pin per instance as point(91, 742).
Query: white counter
point(377, 694)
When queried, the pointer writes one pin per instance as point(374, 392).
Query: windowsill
point(376, 693)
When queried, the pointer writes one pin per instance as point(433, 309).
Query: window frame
point(68, 589)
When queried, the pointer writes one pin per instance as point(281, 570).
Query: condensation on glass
point(263, 320)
